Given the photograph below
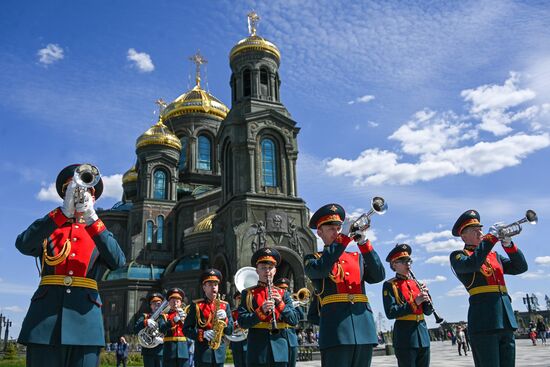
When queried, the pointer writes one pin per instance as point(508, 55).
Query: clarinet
point(438, 319)
point(270, 297)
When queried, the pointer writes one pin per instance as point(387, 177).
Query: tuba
point(302, 296)
point(378, 206)
point(151, 337)
point(217, 325)
point(245, 277)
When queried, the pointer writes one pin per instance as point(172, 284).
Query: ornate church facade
point(209, 186)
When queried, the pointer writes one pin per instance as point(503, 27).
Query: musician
point(491, 320)
point(407, 302)
point(71, 252)
point(152, 357)
point(292, 339)
point(347, 329)
point(175, 351)
point(201, 321)
point(238, 348)
point(266, 310)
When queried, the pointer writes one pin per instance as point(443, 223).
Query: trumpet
point(378, 206)
point(514, 229)
point(85, 176)
point(302, 296)
point(438, 319)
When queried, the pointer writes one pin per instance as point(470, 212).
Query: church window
point(205, 153)
point(182, 165)
point(159, 184)
point(264, 89)
point(269, 163)
point(160, 229)
point(247, 83)
point(149, 231)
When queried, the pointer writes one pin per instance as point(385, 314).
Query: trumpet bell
point(379, 205)
point(531, 216)
point(245, 277)
point(86, 175)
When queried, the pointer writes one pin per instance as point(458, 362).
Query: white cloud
point(372, 123)
point(16, 289)
point(457, 291)
point(437, 279)
point(542, 260)
point(539, 274)
point(364, 99)
point(15, 309)
point(112, 188)
point(491, 104)
point(141, 60)
point(430, 236)
point(50, 54)
point(439, 260)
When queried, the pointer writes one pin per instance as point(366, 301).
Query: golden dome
point(197, 100)
point(130, 176)
point(205, 224)
point(158, 134)
point(255, 43)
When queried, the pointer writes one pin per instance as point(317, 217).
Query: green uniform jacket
point(191, 328)
point(140, 324)
point(170, 328)
point(488, 311)
point(406, 334)
point(259, 340)
point(345, 323)
point(68, 315)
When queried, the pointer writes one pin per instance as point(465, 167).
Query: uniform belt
point(268, 325)
point(411, 317)
point(344, 298)
point(175, 339)
point(68, 281)
point(488, 289)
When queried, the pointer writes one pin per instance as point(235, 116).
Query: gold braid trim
point(396, 293)
point(249, 298)
point(200, 321)
point(57, 259)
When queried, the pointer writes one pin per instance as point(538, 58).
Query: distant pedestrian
point(461, 340)
point(541, 331)
point(121, 352)
point(533, 336)
point(465, 329)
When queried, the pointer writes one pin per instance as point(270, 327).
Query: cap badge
point(333, 208)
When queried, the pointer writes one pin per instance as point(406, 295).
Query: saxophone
point(217, 325)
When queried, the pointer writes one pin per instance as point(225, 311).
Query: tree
point(11, 351)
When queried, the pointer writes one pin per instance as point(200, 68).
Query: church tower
point(258, 152)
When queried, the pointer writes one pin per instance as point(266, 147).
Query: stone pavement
point(445, 355)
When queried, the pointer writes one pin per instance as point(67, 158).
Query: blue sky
point(438, 107)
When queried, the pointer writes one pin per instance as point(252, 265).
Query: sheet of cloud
point(437, 279)
point(539, 274)
point(438, 260)
point(542, 260)
point(50, 54)
point(141, 60)
point(457, 291)
point(16, 288)
point(363, 99)
point(491, 104)
point(112, 188)
point(14, 309)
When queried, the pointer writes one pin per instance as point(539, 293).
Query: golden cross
point(253, 20)
point(198, 60)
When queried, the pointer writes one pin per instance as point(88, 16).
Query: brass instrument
point(378, 206)
point(149, 337)
point(302, 296)
point(515, 228)
point(85, 177)
point(244, 278)
point(217, 325)
point(438, 319)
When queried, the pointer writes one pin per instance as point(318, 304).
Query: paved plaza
point(446, 355)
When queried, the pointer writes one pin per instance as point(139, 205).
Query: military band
point(238, 348)
point(175, 351)
point(152, 357)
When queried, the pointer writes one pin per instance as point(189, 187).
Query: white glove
point(209, 335)
point(68, 201)
point(221, 315)
point(296, 304)
point(87, 209)
point(182, 313)
point(494, 229)
point(177, 318)
point(151, 323)
point(506, 241)
point(360, 237)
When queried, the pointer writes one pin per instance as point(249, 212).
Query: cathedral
point(209, 186)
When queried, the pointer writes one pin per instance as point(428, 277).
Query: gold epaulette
point(198, 300)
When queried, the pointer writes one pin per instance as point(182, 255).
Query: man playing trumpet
point(347, 330)
point(491, 320)
point(72, 244)
point(176, 351)
point(208, 320)
point(266, 310)
point(407, 302)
